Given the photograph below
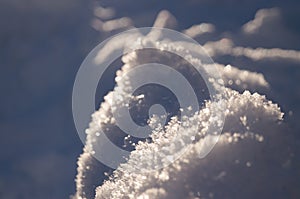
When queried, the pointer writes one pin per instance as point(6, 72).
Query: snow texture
point(250, 160)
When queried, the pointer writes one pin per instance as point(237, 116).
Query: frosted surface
point(238, 166)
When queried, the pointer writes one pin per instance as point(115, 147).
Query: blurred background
point(43, 42)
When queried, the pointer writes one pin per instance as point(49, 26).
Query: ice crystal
point(236, 163)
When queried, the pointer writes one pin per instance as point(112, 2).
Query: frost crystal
point(236, 167)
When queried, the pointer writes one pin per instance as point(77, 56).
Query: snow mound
point(250, 158)
point(239, 149)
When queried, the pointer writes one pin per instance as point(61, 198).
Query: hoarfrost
point(235, 165)
point(226, 46)
point(238, 140)
point(261, 17)
point(197, 30)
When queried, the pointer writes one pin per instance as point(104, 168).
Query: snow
point(197, 30)
point(226, 46)
point(127, 181)
point(249, 160)
point(261, 17)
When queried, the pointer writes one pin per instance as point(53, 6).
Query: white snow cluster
point(247, 161)
point(238, 155)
